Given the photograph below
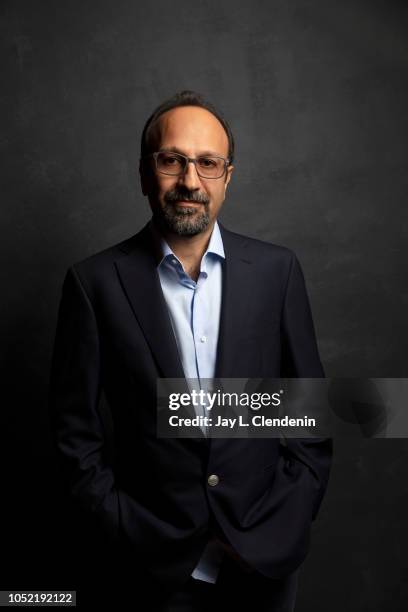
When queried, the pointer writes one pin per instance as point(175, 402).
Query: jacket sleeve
point(300, 359)
point(74, 394)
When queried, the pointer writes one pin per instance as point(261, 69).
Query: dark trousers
point(235, 590)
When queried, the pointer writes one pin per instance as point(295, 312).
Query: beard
point(184, 221)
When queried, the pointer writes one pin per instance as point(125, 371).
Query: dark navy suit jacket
point(113, 339)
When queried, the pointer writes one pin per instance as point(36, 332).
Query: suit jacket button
point(213, 480)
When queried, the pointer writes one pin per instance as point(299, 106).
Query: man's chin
point(184, 225)
point(187, 229)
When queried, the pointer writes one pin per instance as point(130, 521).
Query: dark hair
point(184, 98)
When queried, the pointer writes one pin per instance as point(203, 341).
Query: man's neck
point(189, 249)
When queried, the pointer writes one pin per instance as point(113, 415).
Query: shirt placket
point(200, 336)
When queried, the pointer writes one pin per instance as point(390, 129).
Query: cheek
point(165, 185)
point(217, 195)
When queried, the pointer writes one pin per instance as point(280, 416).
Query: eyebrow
point(201, 154)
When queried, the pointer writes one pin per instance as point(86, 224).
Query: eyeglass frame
point(190, 159)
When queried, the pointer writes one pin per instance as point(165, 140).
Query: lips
point(186, 203)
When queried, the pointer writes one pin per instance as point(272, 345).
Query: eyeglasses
point(175, 164)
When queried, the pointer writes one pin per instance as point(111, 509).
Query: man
point(212, 523)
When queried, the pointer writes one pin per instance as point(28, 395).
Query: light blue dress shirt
point(194, 309)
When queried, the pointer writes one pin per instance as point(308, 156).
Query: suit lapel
point(237, 348)
point(141, 283)
point(235, 308)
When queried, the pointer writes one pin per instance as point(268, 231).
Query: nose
point(190, 178)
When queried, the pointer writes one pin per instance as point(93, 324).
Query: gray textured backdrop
point(317, 96)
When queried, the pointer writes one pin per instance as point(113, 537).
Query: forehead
point(191, 128)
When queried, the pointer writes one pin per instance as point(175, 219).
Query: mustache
point(175, 195)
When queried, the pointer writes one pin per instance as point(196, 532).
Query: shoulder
point(99, 268)
point(259, 251)
point(273, 263)
point(105, 257)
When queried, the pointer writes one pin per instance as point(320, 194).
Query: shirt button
point(203, 338)
point(174, 262)
point(213, 480)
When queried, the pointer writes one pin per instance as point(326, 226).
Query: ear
point(228, 177)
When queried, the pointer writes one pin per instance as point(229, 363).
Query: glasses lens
point(170, 163)
point(210, 167)
point(175, 164)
